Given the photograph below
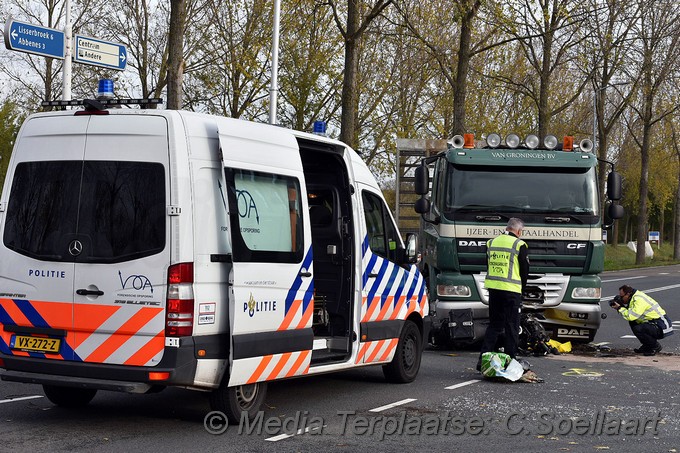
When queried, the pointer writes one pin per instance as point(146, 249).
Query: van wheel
point(405, 365)
point(234, 401)
point(69, 396)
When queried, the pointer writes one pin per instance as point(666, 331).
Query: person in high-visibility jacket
point(506, 278)
point(648, 321)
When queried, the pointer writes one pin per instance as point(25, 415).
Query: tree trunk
point(463, 67)
point(350, 88)
point(644, 191)
point(176, 53)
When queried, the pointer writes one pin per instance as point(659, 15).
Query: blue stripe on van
point(297, 283)
point(31, 313)
point(377, 280)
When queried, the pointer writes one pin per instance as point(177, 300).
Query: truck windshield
point(530, 190)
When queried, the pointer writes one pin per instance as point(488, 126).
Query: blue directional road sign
point(29, 38)
point(96, 52)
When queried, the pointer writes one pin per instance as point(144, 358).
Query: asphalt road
point(594, 401)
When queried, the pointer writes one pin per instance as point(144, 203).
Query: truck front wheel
point(405, 365)
point(69, 396)
point(234, 401)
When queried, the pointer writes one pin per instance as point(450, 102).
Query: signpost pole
point(66, 89)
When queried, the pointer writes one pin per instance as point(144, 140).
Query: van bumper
point(180, 364)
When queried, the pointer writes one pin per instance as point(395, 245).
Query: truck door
point(272, 283)
point(390, 291)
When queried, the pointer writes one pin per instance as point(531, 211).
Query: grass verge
point(621, 257)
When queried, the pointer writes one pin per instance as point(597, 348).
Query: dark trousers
point(647, 333)
point(504, 311)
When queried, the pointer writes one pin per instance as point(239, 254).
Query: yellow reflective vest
point(503, 264)
point(641, 308)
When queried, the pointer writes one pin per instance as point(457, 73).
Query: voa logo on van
point(253, 306)
point(246, 205)
point(136, 282)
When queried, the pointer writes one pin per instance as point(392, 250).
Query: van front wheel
point(235, 401)
point(405, 365)
point(69, 396)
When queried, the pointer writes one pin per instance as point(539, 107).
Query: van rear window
point(114, 209)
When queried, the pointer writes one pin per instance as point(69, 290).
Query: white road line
point(628, 336)
point(621, 279)
point(390, 406)
point(462, 384)
point(286, 436)
point(23, 398)
point(664, 273)
point(652, 290)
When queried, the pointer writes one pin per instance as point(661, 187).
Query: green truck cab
point(476, 187)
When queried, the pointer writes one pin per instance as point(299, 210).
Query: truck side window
point(266, 216)
point(383, 238)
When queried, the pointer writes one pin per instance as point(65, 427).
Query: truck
point(145, 248)
point(468, 190)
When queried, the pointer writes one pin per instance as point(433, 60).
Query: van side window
point(383, 238)
point(266, 216)
point(115, 209)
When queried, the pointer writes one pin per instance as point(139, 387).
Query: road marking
point(629, 336)
point(621, 279)
point(390, 406)
point(582, 372)
point(22, 398)
point(286, 436)
point(664, 273)
point(462, 384)
point(652, 290)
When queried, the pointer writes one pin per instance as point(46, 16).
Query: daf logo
point(75, 248)
point(472, 243)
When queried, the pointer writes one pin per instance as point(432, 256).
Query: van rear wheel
point(405, 365)
point(235, 401)
point(69, 396)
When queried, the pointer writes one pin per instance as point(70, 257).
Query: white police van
point(146, 248)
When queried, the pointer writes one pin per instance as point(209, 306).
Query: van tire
point(405, 365)
point(71, 397)
point(234, 401)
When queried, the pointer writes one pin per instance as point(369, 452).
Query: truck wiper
point(562, 219)
point(491, 218)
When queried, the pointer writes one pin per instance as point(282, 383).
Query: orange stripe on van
point(395, 313)
point(59, 315)
point(378, 345)
point(386, 306)
point(372, 305)
point(362, 352)
point(306, 316)
point(390, 348)
point(13, 311)
point(87, 318)
point(116, 340)
point(279, 366)
point(304, 356)
point(260, 369)
point(291, 314)
point(147, 352)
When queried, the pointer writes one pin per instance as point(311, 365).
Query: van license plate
point(36, 344)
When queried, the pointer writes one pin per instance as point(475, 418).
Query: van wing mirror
point(412, 255)
point(614, 186)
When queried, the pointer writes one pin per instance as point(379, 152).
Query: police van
point(146, 248)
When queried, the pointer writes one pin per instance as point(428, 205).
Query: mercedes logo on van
point(75, 248)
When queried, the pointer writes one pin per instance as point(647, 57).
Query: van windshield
point(115, 209)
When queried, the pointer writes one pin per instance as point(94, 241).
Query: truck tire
point(234, 401)
point(69, 396)
point(405, 365)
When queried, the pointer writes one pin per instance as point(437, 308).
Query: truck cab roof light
point(512, 140)
point(493, 140)
point(568, 143)
point(550, 142)
point(469, 141)
point(531, 141)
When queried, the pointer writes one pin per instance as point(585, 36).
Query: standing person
point(506, 277)
point(647, 319)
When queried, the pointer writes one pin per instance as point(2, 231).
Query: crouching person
point(647, 319)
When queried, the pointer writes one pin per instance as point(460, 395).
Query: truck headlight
point(586, 293)
point(453, 290)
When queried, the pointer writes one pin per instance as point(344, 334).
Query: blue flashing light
point(105, 90)
point(319, 127)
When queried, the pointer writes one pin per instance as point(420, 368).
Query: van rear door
point(272, 298)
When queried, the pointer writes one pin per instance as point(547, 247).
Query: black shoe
point(479, 365)
point(654, 350)
point(641, 349)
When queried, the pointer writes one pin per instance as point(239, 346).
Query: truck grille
point(553, 287)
